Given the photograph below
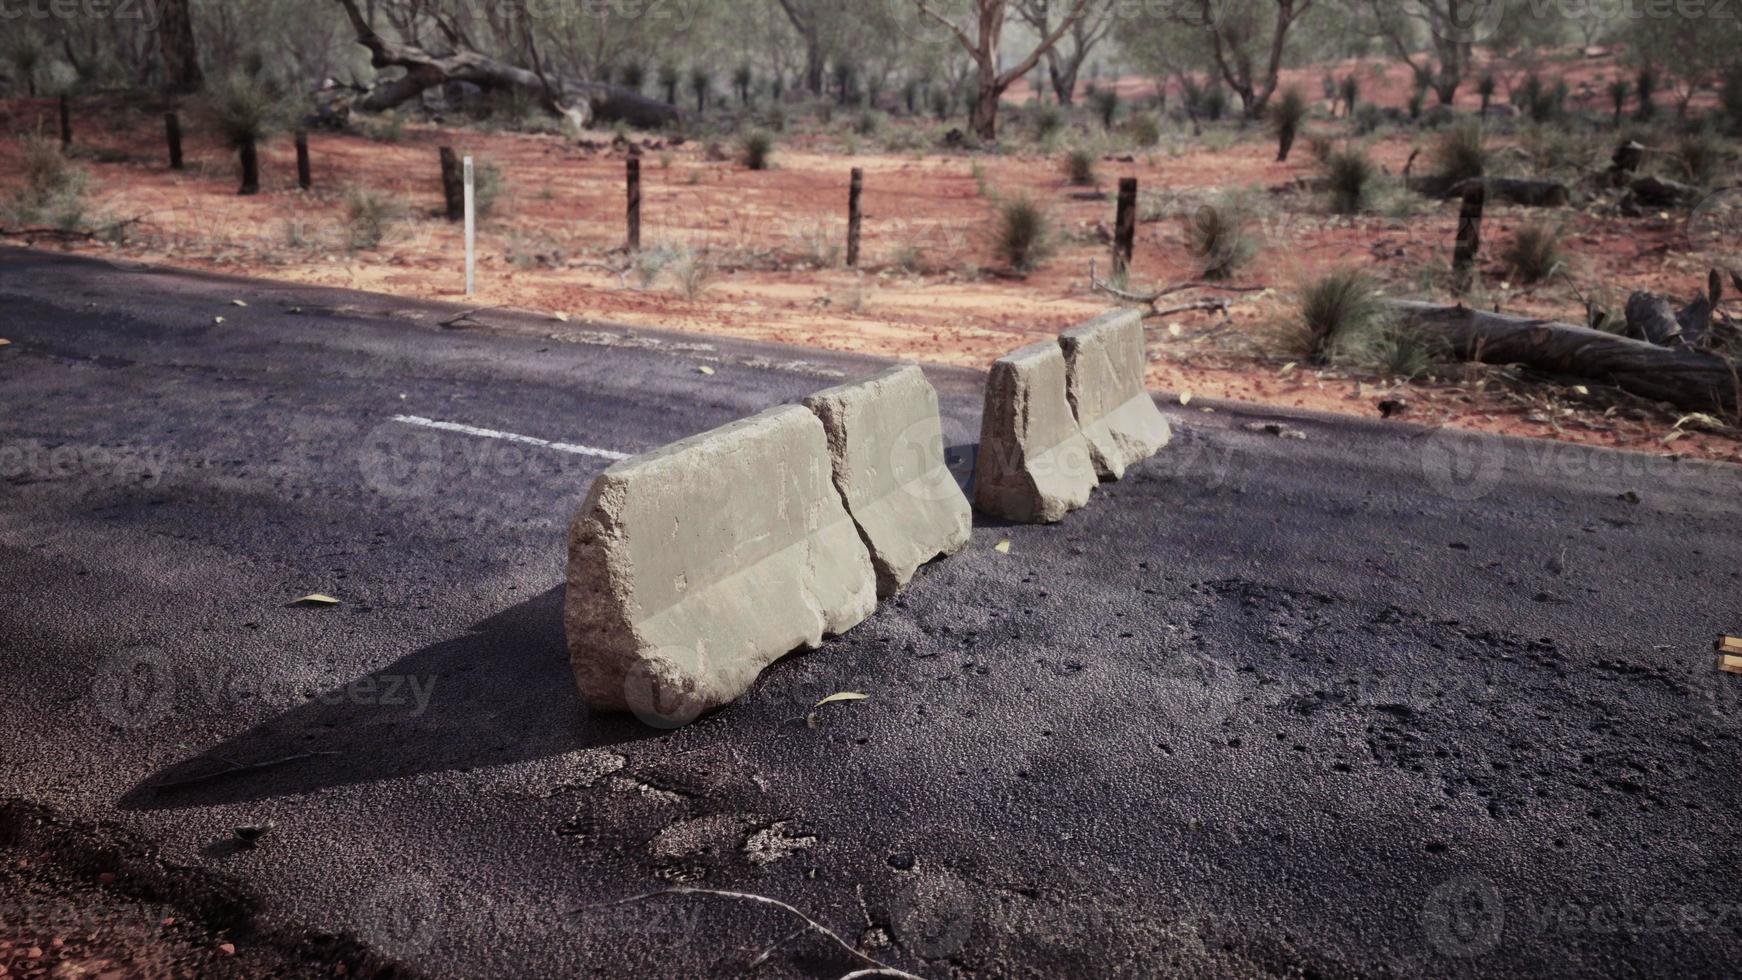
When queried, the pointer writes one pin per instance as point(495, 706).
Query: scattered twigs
point(459, 318)
point(878, 967)
point(1099, 285)
point(1217, 305)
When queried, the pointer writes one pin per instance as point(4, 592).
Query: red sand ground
point(554, 242)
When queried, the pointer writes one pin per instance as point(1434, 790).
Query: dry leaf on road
point(843, 696)
point(315, 599)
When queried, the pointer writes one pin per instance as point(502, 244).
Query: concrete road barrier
point(693, 567)
point(1105, 372)
point(1034, 465)
point(886, 441)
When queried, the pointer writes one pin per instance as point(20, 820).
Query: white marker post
point(471, 253)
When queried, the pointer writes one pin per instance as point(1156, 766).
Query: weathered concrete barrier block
point(1033, 465)
point(693, 567)
point(886, 441)
point(1105, 384)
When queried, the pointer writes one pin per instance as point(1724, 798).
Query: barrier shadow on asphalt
point(501, 694)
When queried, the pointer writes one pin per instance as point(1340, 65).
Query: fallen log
point(1514, 190)
point(1502, 190)
point(1688, 379)
point(1660, 193)
point(578, 100)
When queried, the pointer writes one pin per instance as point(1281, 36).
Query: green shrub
point(1048, 120)
point(1106, 105)
point(1368, 119)
point(743, 79)
point(1645, 89)
point(1460, 152)
point(756, 150)
point(1423, 78)
point(245, 109)
point(1144, 130)
point(369, 217)
point(1619, 90)
point(52, 191)
point(1702, 157)
point(1534, 253)
point(1079, 167)
point(488, 186)
point(869, 123)
point(633, 76)
point(1022, 236)
point(1215, 103)
point(1351, 174)
point(1221, 234)
point(1286, 115)
point(1391, 349)
point(700, 84)
point(1337, 308)
point(669, 79)
point(1730, 96)
point(693, 269)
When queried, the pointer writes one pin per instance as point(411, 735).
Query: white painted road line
point(472, 430)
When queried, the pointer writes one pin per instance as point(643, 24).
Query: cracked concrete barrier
point(886, 440)
point(1034, 465)
point(1105, 368)
point(695, 566)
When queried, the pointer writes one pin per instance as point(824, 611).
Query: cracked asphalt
point(1373, 701)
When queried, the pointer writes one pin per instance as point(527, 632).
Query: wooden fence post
point(855, 217)
point(250, 167)
point(1125, 226)
point(453, 186)
point(1469, 237)
point(304, 179)
point(634, 176)
point(172, 132)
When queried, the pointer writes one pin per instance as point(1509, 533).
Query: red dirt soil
point(554, 241)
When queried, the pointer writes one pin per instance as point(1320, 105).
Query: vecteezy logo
point(933, 917)
point(1464, 917)
point(400, 461)
point(135, 688)
point(917, 456)
point(661, 689)
point(1196, 685)
point(1716, 222)
point(399, 916)
point(1463, 465)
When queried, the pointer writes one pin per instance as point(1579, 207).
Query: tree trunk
point(984, 117)
point(1064, 83)
point(815, 66)
point(175, 44)
point(1688, 379)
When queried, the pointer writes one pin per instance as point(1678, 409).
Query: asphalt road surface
point(1327, 698)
